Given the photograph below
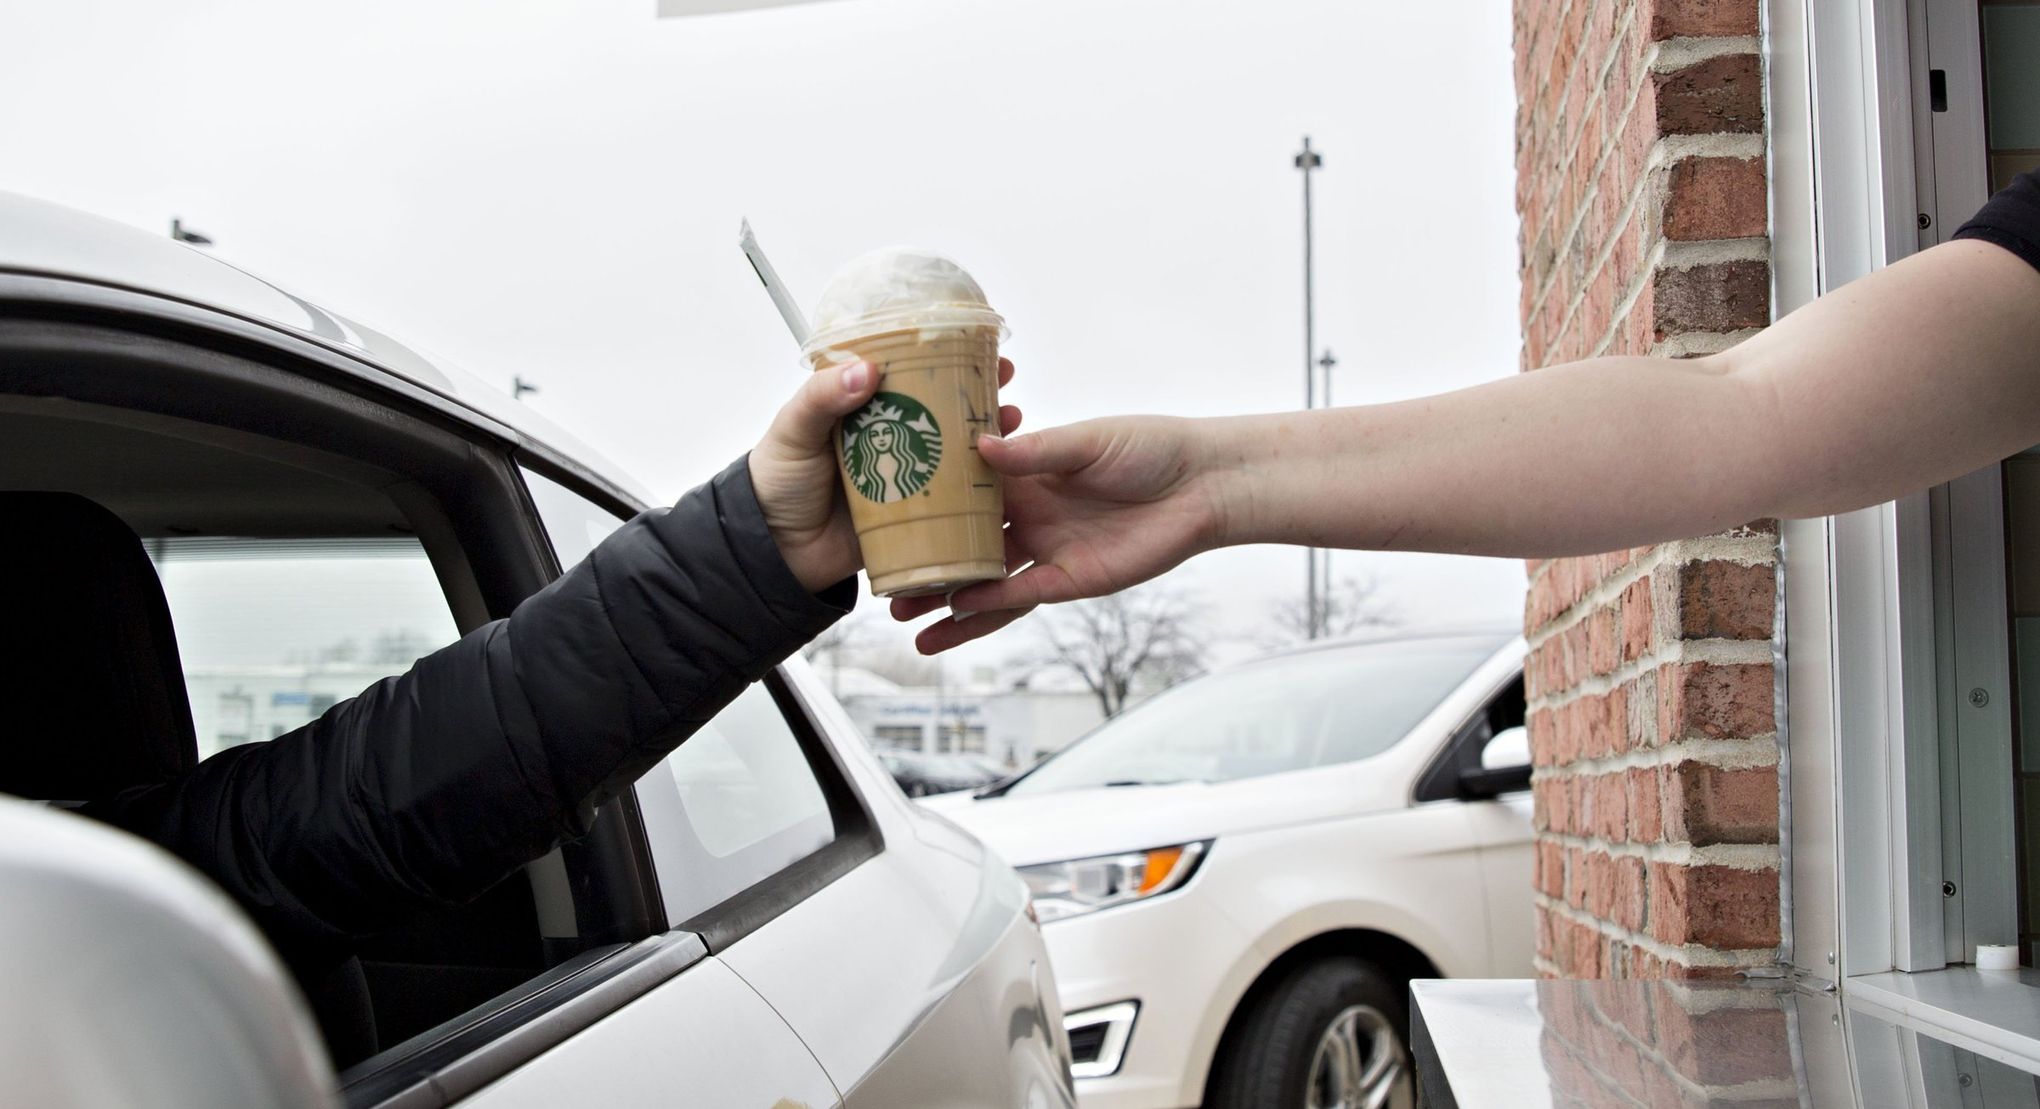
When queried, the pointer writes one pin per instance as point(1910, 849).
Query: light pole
point(184, 234)
point(1306, 161)
point(1325, 363)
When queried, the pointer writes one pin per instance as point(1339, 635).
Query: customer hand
point(1094, 507)
point(793, 472)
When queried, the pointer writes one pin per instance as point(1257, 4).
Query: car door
point(266, 476)
point(892, 943)
point(918, 977)
point(1484, 770)
point(704, 1036)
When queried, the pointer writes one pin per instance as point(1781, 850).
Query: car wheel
point(1327, 1037)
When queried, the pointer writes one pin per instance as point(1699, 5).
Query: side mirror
point(132, 981)
point(1510, 748)
point(1504, 767)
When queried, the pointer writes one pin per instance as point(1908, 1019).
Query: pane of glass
point(1315, 708)
point(749, 804)
point(575, 524)
point(2022, 575)
point(273, 632)
point(2011, 69)
point(902, 737)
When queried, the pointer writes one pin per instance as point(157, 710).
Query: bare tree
point(1118, 645)
point(836, 646)
point(1352, 606)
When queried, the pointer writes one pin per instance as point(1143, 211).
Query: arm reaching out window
point(1908, 377)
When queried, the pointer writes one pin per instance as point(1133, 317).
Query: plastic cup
point(928, 511)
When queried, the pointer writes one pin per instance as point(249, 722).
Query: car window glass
point(1316, 708)
point(273, 632)
point(574, 523)
point(749, 806)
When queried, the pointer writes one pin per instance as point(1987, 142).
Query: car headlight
point(1079, 886)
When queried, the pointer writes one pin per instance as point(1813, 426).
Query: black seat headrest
point(92, 696)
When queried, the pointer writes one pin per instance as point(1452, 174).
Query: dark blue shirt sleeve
point(2011, 219)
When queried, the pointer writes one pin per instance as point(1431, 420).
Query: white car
point(1239, 877)
point(764, 918)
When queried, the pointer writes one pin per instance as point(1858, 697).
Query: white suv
point(1239, 878)
point(762, 919)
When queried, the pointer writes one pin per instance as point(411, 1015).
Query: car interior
point(117, 451)
point(1456, 772)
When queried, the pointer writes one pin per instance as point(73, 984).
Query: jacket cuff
point(759, 560)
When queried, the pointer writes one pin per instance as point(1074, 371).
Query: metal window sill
point(1994, 1013)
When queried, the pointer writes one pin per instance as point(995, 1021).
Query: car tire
point(1330, 1034)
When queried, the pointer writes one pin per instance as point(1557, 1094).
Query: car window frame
point(198, 364)
point(857, 838)
point(1439, 780)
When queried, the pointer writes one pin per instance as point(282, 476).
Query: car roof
point(1495, 635)
point(42, 239)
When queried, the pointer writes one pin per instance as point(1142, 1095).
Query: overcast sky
point(552, 190)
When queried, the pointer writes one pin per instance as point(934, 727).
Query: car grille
point(1098, 1038)
point(1087, 1042)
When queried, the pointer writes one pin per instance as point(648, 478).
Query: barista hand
point(1094, 507)
point(793, 472)
point(1909, 377)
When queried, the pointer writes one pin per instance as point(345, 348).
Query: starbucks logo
point(891, 447)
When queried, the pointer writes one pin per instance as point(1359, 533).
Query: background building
point(1014, 726)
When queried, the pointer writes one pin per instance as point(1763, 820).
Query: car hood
point(1051, 827)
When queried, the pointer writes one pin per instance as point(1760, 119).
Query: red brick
point(1625, 1067)
point(1675, 18)
point(1729, 1045)
point(1641, 694)
point(1626, 903)
point(1721, 296)
point(1708, 805)
point(1716, 906)
point(1601, 891)
point(1551, 800)
point(1639, 130)
point(1625, 257)
point(1722, 93)
point(1727, 600)
point(1550, 869)
point(1637, 616)
point(1606, 719)
point(1588, 953)
point(1715, 198)
point(1705, 700)
point(1597, 311)
point(1630, 1009)
point(1640, 333)
point(1646, 822)
point(1604, 642)
point(1626, 72)
point(1544, 748)
point(1576, 875)
point(1609, 807)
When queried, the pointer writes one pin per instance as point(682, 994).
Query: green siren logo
point(891, 447)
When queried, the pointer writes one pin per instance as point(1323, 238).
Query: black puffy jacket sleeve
point(433, 785)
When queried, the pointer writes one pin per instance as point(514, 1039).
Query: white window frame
point(1887, 610)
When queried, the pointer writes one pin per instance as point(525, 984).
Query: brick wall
point(1640, 184)
point(1667, 1046)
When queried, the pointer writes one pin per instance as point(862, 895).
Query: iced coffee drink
point(926, 508)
